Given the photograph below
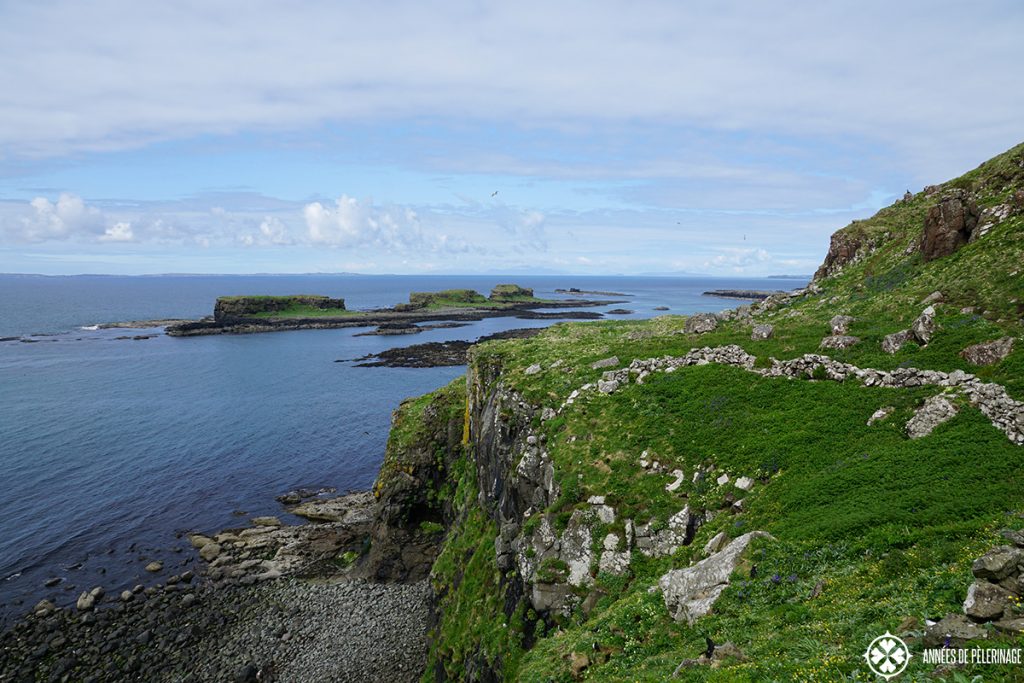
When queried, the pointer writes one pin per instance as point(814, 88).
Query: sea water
point(111, 447)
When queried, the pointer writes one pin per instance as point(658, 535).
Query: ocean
point(113, 448)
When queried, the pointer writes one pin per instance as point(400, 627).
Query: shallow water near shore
point(112, 448)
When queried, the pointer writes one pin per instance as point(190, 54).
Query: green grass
point(882, 527)
point(307, 312)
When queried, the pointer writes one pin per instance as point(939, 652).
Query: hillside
point(600, 463)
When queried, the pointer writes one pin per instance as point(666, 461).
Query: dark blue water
point(111, 448)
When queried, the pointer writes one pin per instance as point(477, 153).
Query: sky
point(723, 138)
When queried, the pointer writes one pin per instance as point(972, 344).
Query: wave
point(91, 328)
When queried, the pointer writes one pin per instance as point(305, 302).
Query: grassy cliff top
point(874, 529)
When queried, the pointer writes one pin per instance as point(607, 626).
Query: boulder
point(605, 363)
point(716, 543)
point(607, 386)
point(210, 551)
point(266, 521)
point(840, 324)
point(762, 332)
point(923, 326)
point(533, 369)
point(154, 566)
point(839, 341)
point(85, 602)
point(988, 353)
point(700, 323)
point(986, 601)
point(879, 415)
point(998, 563)
point(744, 483)
point(690, 593)
point(892, 343)
point(932, 298)
point(948, 225)
point(953, 631)
point(935, 411)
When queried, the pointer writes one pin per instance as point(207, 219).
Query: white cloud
point(67, 217)
point(352, 223)
point(118, 232)
point(108, 74)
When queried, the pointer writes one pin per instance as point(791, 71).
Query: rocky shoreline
point(435, 354)
point(746, 294)
point(272, 602)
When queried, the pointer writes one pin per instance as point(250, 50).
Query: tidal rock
point(953, 631)
point(700, 323)
point(762, 332)
point(948, 225)
point(210, 551)
point(266, 521)
point(690, 593)
point(840, 324)
point(154, 566)
point(85, 602)
point(935, 411)
point(198, 540)
point(892, 343)
point(840, 341)
point(986, 601)
point(988, 353)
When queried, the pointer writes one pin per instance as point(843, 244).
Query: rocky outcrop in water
point(230, 308)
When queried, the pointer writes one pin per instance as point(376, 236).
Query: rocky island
point(751, 495)
point(250, 314)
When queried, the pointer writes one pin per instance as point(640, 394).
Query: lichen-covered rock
point(999, 563)
point(605, 363)
point(953, 631)
point(935, 411)
point(762, 332)
point(840, 324)
point(923, 326)
point(700, 323)
point(690, 593)
point(892, 343)
point(986, 601)
point(948, 225)
point(839, 341)
point(988, 353)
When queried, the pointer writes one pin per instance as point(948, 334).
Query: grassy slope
point(886, 525)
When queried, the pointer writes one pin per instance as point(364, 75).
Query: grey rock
point(762, 332)
point(892, 343)
point(933, 298)
point(210, 551)
point(716, 543)
point(935, 411)
point(840, 324)
point(986, 601)
point(266, 521)
point(998, 563)
point(880, 415)
point(605, 363)
point(988, 353)
point(924, 326)
point(954, 630)
point(607, 386)
point(85, 602)
point(154, 566)
point(533, 369)
point(690, 593)
point(840, 341)
point(700, 323)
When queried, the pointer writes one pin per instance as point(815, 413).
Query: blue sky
point(707, 137)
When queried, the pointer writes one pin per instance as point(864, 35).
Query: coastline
point(240, 615)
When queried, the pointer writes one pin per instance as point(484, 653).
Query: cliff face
point(230, 308)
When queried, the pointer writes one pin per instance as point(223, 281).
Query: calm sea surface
point(111, 448)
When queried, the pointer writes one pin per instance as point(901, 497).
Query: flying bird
point(494, 194)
